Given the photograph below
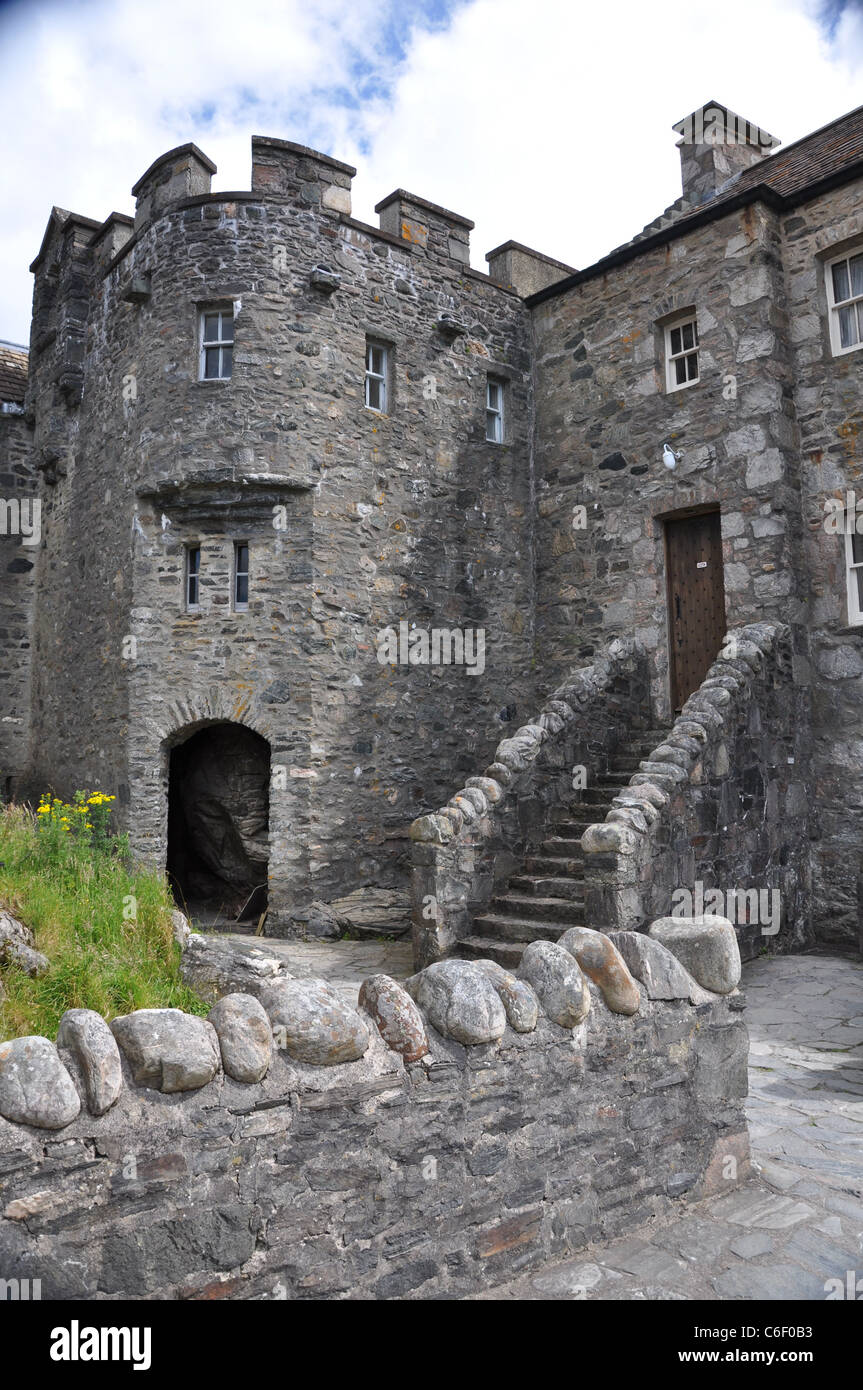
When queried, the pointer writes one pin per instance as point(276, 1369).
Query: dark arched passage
point(218, 822)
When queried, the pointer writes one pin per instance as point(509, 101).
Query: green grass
point(72, 891)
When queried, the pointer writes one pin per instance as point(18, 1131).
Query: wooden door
point(696, 600)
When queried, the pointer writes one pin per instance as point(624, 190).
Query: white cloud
point(551, 124)
point(548, 122)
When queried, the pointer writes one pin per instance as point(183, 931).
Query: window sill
point(846, 352)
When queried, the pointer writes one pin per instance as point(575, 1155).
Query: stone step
point(564, 847)
point(581, 816)
point(548, 885)
point(526, 905)
point(497, 927)
point(546, 895)
point(506, 953)
point(571, 867)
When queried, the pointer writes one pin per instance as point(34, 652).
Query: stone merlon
point(184, 172)
point(425, 224)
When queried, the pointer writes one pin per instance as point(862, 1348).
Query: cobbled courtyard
point(798, 1225)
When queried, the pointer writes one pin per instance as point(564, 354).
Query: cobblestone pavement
point(784, 1234)
point(345, 964)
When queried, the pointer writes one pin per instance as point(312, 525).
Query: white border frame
point(382, 377)
point(500, 413)
point(221, 344)
point(235, 573)
point(187, 606)
point(855, 613)
point(671, 385)
point(833, 309)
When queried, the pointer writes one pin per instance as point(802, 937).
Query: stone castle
point(308, 523)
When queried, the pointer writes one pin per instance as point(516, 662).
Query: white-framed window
point(854, 572)
point(241, 576)
point(494, 422)
point(193, 578)
point(681, 353)
point(377, 376)
point(217, 344)
point(845, 298)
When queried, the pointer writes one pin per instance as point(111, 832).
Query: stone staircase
point(546, 897)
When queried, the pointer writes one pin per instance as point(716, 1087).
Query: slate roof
point(13, 373)
point(815, 157)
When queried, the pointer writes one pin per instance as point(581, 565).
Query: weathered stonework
point(730, 806)
point(18, 486)
point(358, 521)
point(381, 518)
point(389, 1176)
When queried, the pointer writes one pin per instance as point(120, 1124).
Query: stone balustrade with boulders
point(722, 802)
point(425, 1143)
point(466, 851)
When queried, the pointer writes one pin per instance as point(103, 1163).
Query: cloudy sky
point(547, 121)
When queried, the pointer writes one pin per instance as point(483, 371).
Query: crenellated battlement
point(295, 175)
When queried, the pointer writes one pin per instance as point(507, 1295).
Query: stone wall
point(413, 516)
point(603, 415)
point(469, 849)
point(382, 518)
point(379, 1177)
point(722, 803)
point(770, 432)
point(827, 396)
point(17, 568)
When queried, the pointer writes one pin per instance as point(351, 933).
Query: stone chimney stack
point(715, 145)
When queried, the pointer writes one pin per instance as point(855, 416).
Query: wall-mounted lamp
point(669, 456)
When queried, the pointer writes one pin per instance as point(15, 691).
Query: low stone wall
point(723, 802)
point(469, 849)
point(425, 1167)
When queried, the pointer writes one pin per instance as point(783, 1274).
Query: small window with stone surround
point(681, 352)
point(854, 571)
point(193, 578)
point(377, 376)
point(241, 576)
point(494, 410)
point(216, 330)
point(845, 298)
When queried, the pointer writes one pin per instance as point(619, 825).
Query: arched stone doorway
point(218, 822)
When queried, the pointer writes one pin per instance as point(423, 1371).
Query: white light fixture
point(669, 456)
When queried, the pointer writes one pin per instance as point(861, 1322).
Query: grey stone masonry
point(357, 521)
point(468, 850)
point(19, 546)
point(549, 541)
point(720, 807)
point(380, 1177)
